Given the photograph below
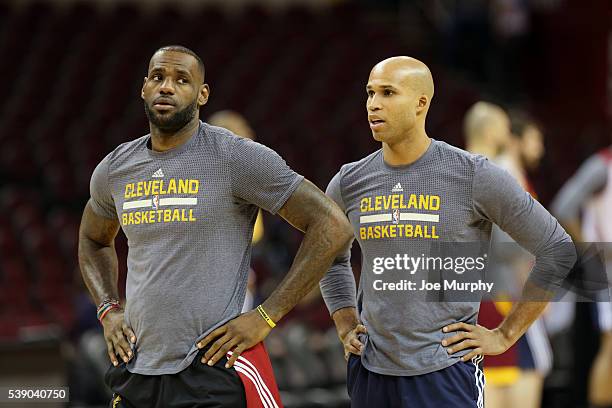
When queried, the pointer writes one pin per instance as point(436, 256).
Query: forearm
point(338, 285)
point(524, 312)
point(345, 320)
point(479, 340)
point(99, 269)
point(552, 265)
point(323, 241)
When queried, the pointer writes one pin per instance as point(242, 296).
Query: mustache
point(175, 121)
point(165, 100)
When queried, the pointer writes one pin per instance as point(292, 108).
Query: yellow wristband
point(265, 316)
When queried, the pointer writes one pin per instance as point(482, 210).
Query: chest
point(173, 199)
point(407, 207)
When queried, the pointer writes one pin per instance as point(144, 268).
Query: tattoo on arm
point(327, 233)
point(97, 255)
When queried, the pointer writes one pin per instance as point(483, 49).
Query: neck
point(162, 141)
point(408, 150)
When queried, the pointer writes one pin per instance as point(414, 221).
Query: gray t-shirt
point(188, 214)
point(446, 196)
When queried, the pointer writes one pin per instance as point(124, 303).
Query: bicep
point(498, 197)
point(307, 204)
point(96, 228)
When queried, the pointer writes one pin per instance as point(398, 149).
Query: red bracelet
point(105, 306)
point(110, 307)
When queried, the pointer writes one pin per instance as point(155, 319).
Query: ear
point(422, 104)
point(203, 95)
point(144, 82)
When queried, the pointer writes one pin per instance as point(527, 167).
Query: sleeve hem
point(294, 185)
point(100, 211)
point(341, 305)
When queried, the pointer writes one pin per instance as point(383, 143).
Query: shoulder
point(237, 147)
point(217, 140)
point(360, 166)
point(455, 163)
point(452, 154)
point(121, 156)
point(218, 134)
point(605, 155)
point(125, 151)
point(597, 165)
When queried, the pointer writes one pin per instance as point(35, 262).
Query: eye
point(183, 81)
point(156, 77)
point(388, 92)
point(370, 93)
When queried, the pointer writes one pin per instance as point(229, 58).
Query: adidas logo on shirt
point(397, 188)
point(158, 173)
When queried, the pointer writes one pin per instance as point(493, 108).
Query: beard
point(172, 122)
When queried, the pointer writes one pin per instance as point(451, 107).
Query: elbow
point(572, 255)
point(563, 257)
point(568, 251)
point(341, 231)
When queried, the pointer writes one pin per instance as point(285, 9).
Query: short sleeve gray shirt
point(188, 215)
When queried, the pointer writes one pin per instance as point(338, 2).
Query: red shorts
point(255, 370)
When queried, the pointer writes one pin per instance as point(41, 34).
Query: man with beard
point(186, 196)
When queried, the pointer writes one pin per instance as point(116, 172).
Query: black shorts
point(197, 386)
point(459, 386)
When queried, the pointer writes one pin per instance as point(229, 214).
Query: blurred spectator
point(590, 191)
point(514, 143)
point(232, 121)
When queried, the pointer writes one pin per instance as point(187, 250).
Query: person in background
point(487, 129)
point(589, 191)
point(515, 143)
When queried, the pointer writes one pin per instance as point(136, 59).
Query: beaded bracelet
point(106, 306)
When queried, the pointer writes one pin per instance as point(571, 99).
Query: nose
point(373, 104)
point(167, 86)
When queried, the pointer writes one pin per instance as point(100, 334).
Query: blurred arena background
point(71, 77)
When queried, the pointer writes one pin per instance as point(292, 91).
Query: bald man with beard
point(408, 342)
